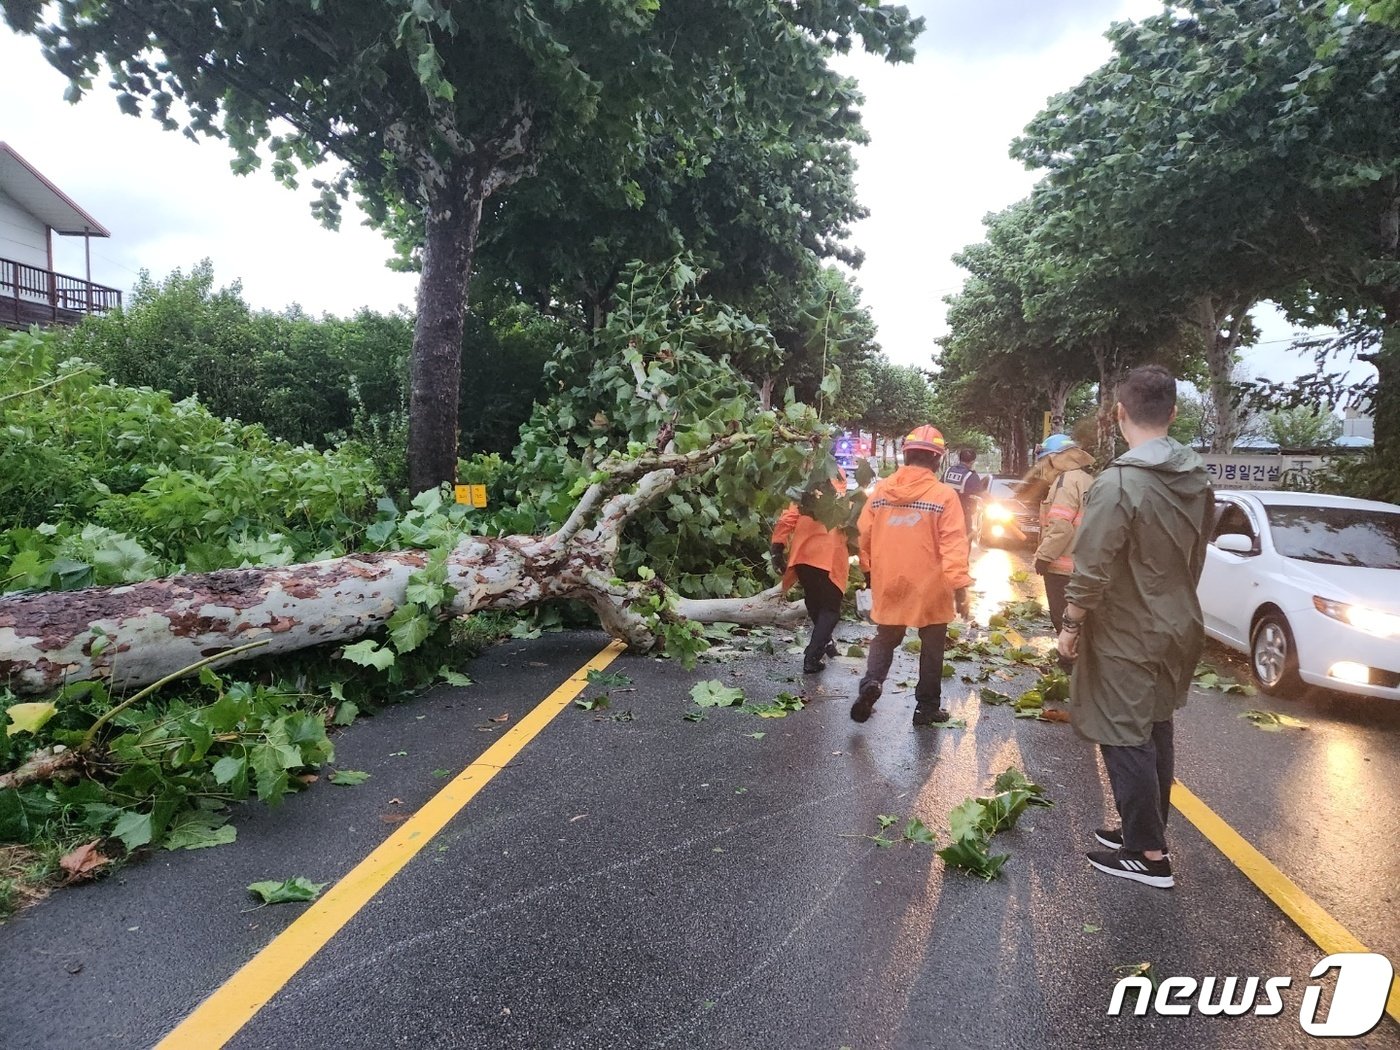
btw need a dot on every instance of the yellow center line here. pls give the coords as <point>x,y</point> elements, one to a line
<point>1326,932</point>
<point>232,1005</point>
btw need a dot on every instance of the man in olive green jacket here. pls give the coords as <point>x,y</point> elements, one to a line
<point>1132,622</point>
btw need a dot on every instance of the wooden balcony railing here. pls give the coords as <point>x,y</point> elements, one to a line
<point>32,295</point>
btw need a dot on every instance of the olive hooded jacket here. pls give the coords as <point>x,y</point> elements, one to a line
<point>1137,558</point>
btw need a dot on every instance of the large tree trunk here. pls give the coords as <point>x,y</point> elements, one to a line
<point>1221,325</point>
<point>1059,396</point>
<point>159,627</point>
<point>452,222</point>
<point>1385,403</point>
<point>1110,371</point>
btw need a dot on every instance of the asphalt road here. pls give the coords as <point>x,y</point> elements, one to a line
<point>633,879</point>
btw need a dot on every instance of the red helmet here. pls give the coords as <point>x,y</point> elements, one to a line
<point>927,438</point>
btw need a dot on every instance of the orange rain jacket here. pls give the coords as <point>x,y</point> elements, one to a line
<point>809,542</point>
<point>913,537</point>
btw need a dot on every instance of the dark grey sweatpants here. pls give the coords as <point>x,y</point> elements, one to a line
<point>933,639</point>
<point>1141,778</point>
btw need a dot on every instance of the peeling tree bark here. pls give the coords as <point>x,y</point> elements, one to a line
<point>158,627</point>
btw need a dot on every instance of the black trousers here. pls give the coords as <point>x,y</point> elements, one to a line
<point>1141,778</point>
<point>933,639</point>
<point>1055,585</point>
<point>823,599</point>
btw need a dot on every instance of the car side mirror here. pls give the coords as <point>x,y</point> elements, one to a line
<point>1235,543</point>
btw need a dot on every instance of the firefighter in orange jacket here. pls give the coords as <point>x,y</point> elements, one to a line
<point>805,551</point>
<point>913,549</point>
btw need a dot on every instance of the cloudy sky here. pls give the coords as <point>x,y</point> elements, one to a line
<point>937,163</point>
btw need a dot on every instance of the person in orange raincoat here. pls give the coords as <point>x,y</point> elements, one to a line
<point>805,551</point>
<point>913,550</point>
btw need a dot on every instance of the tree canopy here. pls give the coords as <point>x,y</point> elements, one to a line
<point>1229,152</point>
<point>429,115</point>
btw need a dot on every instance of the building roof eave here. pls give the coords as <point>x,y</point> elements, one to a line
<point>41,198</point>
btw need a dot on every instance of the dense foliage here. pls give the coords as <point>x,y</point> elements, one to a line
<point>101,483</point>
<point>316,380</point>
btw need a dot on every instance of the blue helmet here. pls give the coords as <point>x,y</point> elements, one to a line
<point>1055,443</point>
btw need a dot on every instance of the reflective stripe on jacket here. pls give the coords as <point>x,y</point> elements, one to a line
<point>1062,511</point>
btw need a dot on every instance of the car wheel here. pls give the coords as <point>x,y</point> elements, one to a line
<point>1273,657</point>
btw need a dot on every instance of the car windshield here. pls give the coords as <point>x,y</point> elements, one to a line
<point>1337,535</point>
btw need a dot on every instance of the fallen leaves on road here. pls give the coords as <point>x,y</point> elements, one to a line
<point>84,862</point>
<point>1273,722</point>
<point>298,888</point>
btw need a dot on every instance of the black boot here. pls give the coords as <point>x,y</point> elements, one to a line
<point>865,701</point>
<point>927,713</point>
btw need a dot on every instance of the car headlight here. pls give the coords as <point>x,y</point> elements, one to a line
<point>1372,621</point>
<point>998,512</point>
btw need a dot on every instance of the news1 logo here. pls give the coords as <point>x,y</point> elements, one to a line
<point>1358,1002</point>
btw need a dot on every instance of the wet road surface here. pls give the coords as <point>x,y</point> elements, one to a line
<point>633,879</point>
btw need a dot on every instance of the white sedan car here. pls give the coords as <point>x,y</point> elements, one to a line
<point>1309,587</point>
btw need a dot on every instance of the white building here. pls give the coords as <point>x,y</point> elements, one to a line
<point>32,210</point>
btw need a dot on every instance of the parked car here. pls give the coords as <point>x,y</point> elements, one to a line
<point>1002,518</point>
<point>1309,587</point>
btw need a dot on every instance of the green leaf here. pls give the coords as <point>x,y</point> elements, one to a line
<point>288,890</point>
<point>269,766</point>
<point>345,713</point>
<point>991,696</point>
<point>886,820</point>
<point>608,679</point>
<point>755,736</point>
<point>694,716</point>
<point>451,677</point>
<point>368,654</point>
<point>409,628</point>
<point>1003,809</point>
<point>29,718</point>
<point>1273,722</point>
<point>881,841</point>
<point>24,813</point>
<point>916,831</point>
<point>968,820</point>
<point>715,693</point>
<point>229,768</point>
<point>971,855</point>
<point>199,831</point>
<point>133,829</point>
<point>1014,780</point>
<point>425,592</point>
<point>855,652</point>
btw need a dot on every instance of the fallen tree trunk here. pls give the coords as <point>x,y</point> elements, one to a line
<point>136,634</point>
